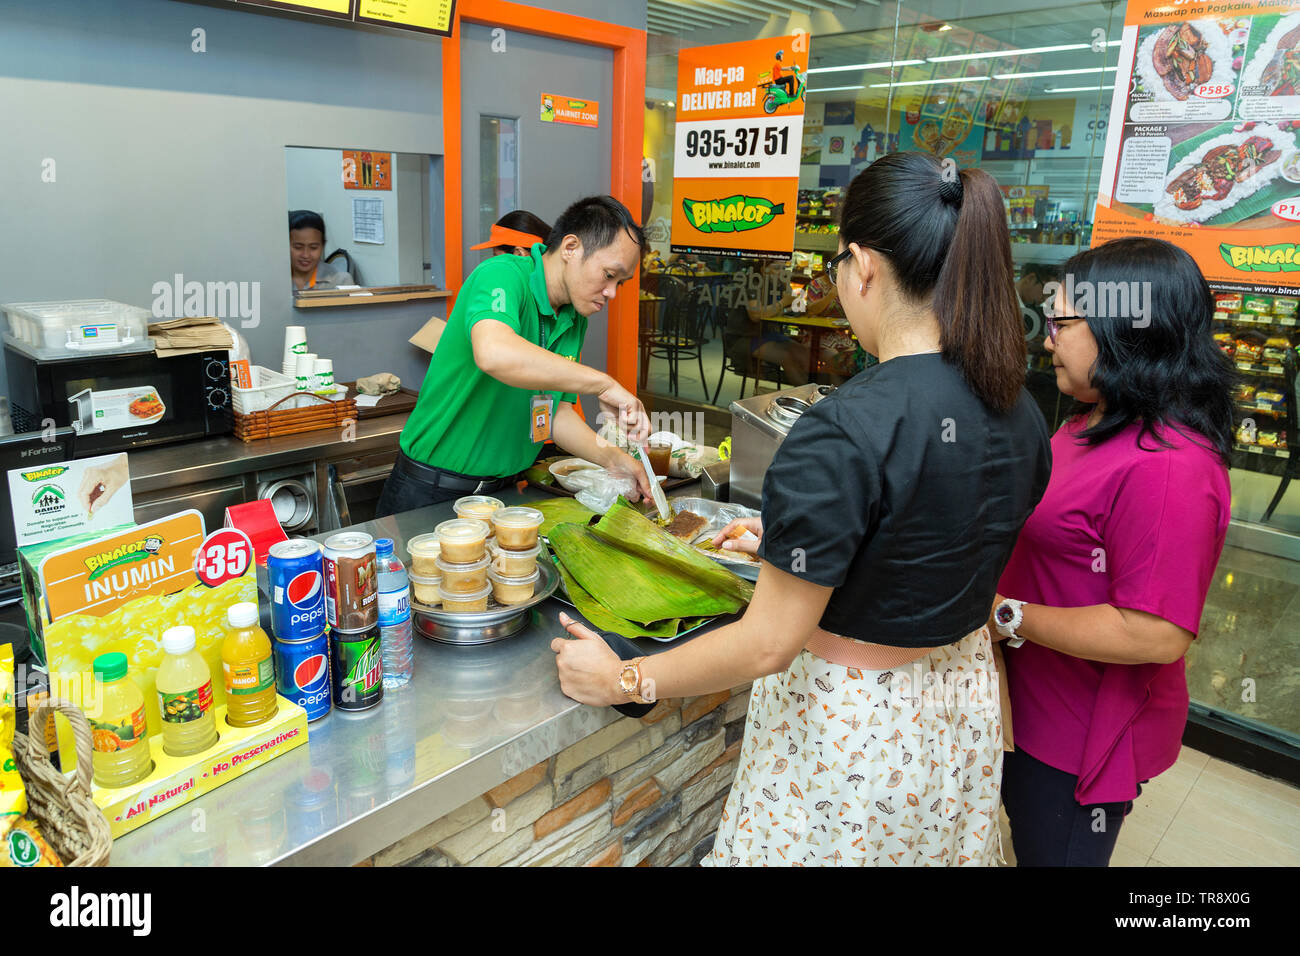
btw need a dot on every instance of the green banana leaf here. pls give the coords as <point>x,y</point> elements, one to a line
<point>557,510</point>
<point>623,523</point>
<point>641,574</point>
<point>605,620</point>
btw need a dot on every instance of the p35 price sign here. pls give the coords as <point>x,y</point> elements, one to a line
<point>740,109</point>
<point>223,556</point>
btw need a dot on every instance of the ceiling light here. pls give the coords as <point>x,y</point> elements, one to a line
<point>993,54</point>
<point>945,28</point>
<point>955,79</point>
<point>1076,89</point>
<point>885,65</point>
<point>1023,76</point>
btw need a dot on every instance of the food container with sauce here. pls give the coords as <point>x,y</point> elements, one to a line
<point>513,590</point>
<point>516,528</point>
<point>481,507</point>
<point>515,563</point>
<point>661,454</point>
<point>424,589</point>
<point>424,550</point>
<point>462,540</point>
<point>466,602</point>
<point>469,576</point>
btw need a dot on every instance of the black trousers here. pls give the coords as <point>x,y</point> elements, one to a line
<point>414,484</point>
<point>788,82</point>
<point>1048,828</point>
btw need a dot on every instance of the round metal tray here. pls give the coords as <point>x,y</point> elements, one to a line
<point>496,623</point>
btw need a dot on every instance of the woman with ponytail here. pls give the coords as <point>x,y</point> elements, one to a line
<point>874,731</point>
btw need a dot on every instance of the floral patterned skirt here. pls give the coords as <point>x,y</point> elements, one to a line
<point>850,767</point>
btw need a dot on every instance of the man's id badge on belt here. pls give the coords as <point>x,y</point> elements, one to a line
<point>541,409</point>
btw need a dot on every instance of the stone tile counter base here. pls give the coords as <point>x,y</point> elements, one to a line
<point>645,792</point>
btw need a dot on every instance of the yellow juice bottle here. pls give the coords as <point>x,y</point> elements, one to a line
<point>184,695</point>
<point>121,754</point>
<point>249,670</point>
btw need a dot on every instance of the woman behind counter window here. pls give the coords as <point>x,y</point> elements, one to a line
<point>306,246</point>
<point>888,515</point>
<point>1114,565</point>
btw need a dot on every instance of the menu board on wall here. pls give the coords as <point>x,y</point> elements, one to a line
<point>423,16</point>
<point>740,109</point>
<point>1204,139</point>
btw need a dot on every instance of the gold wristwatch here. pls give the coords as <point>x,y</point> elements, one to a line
<point>629,681</point>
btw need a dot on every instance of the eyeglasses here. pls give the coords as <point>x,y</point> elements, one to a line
<point>833,267</point>
<point>1052,328</point>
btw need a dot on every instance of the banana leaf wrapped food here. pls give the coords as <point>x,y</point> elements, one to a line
<point>627,575</point>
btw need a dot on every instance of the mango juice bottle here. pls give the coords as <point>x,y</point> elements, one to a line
<point>184,695</point>
<point>249,669</point>
<point>121,755</point>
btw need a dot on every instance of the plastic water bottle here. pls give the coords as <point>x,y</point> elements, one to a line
<point>394,615</point>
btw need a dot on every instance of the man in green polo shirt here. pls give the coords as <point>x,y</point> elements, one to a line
<point>505,374</point>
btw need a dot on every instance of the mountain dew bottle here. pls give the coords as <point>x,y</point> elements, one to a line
<point>356,668</point>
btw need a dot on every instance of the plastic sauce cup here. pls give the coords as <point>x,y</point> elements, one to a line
<point>425,589</point>
<point>462,540</point>
<point>517,527</point>
<point>424,550</point>
<point>513,590</point>
<point>460,578</point>
<point>481,507</point>
<point>467,602</point>
<point>515,563</point>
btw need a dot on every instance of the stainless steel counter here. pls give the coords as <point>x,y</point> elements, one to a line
<point>470,719</point>
<point>168,466</point>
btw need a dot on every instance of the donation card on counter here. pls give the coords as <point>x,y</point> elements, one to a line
<point>55,501</point>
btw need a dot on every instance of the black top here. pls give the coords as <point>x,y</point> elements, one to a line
<point>904,493</point>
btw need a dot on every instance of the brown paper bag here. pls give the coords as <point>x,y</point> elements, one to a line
<point>428,336</point>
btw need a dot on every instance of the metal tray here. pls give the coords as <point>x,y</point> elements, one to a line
<point>484,627</point>
<point>719,514</point>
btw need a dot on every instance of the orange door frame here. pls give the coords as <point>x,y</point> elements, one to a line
<point>627,126</point>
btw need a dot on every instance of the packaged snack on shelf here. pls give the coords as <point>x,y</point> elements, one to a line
<point>1246,433</point>
<point>1248,351</point>
<point>1228,301</point>
<point>1273,356</point>
<point>1270,398</point>
<point>1245,393</point>
<point>1283,306</point>
<point>24,846</point>
<point>1268,439</point>
<point>1258,304</point>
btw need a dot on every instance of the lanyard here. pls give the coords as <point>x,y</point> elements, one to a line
<point>541,329</point>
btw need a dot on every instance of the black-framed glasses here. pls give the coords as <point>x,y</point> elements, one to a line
<point>833,267</point>
<point>1050,326</point>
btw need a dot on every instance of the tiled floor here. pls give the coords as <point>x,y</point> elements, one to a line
<point>1205,812</point>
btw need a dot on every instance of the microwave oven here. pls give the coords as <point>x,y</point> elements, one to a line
<point>121,401</point>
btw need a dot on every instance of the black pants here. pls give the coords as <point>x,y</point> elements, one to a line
<point>413,484</point>
<point>788,83</point>
<point>1048,828</point>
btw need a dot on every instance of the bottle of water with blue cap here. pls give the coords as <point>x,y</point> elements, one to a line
<point>394,615</point>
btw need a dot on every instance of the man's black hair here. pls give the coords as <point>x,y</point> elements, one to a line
<point>596,221</point>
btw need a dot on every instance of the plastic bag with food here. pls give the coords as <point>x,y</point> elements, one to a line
<point>688,461</point>
<point>603,490</point>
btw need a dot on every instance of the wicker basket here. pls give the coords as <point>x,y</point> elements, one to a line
<point>75,828</point>
<point>319,413</point>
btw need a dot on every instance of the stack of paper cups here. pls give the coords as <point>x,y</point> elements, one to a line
<point>324,377</point>
<point>306,371</point>
<point>295,344</point>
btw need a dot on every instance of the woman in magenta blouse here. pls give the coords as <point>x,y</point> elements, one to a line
<point>1104,590</point>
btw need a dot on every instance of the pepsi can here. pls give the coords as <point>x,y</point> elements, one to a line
<point>302,673</point>
<point>297,589</point>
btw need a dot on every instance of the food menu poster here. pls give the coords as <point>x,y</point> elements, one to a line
<point>424,16</point>
<point>739,134</point>
<point>1204,139</point>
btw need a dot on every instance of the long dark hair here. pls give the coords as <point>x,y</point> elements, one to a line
<point>945,236</point>
<point>1157,362</point>
<point>521,220</point>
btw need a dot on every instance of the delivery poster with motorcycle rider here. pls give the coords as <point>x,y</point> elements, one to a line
<point>1204,139</point>
<point>740,110</point>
